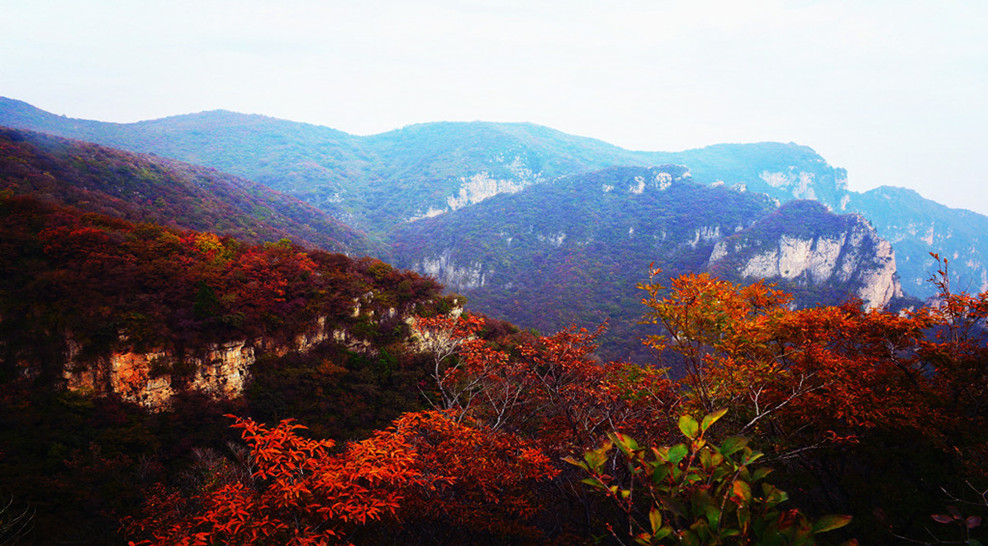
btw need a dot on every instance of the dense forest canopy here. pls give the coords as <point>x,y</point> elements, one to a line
<point>147,188</point>
<point>461,428</point>
<point>187,357</point>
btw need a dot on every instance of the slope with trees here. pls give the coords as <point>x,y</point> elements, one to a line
<point>558,254</point>
<point>146,188</point>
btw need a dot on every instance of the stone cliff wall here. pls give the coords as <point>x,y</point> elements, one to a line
<point>153,378</point>
<point>222,370</point>
<point>856,258</point>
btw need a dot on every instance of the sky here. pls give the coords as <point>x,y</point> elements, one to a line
<point>894,91</point>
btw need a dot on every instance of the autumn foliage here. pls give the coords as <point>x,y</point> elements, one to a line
<point>532,439</point>
<point>453,427</point>
<point>295,490</point>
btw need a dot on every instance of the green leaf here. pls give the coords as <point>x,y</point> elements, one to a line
<point>751,457</point>
<point>593,482</point>
<point>712,512</point>
<point>660,473</point>
<point>760,474</point>
<point>677,453</point>
<point>661,454</point>
<point>773,495</point>
<point>711,419</point>
<point>744,517</point>
<point>732,445</point>
<point>625,443</point>
<point>674,505</point>
<point>830,522</point>
<point>662,533</point>
<point>655,519</point>
<point>574,462</point>
<point>689,426</point>
<point>742,490</point>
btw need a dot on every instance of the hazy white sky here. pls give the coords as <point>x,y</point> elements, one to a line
<point>895,91</point>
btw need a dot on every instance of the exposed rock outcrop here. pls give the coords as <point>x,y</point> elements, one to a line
<point>459,277</point>
<point>842,252</point>
<point>153,378</point>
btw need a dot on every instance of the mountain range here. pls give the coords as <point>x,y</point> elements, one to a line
<point>144,188</point>
<point>533,225</point>
<point>162,277</point>
<point>379,182</point>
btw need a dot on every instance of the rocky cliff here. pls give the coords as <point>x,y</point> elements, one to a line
<point>917,226</point>
<point>804,245</point>
<point>153,378</point>
<point>100,304</point>
<point>221,370</point>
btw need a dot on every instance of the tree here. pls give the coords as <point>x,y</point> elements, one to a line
<point>797,379</point>
<point>695,492</point>
<point>424,471</point>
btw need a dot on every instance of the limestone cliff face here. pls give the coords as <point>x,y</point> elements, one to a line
<point>916,227</point>
<point>147,378</point>
<point>153,378</point>
<point>222,370</point>
<point>516,176</point>
<point>842,252</point>
<point>451,274</point>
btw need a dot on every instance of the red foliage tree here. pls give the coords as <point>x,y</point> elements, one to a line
<point>425,468</point>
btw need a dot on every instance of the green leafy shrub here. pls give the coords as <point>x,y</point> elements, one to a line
<point>696,492</point>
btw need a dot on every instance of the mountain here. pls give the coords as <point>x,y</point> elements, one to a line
<point>144,188</point>
<point>916,227</point>
<point>123,342</point>
<point>819,257</point>
<point>146,312</point>
<point>572,251</point>
<point>379,181</point>
<point>126,347</point>
<point>376,183</point>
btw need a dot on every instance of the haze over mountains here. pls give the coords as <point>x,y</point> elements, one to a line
<point>143,188</point>
<point>148,293</point>
<point>390,184</point>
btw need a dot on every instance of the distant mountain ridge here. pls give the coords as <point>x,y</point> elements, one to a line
<point>572,251</point>
<point>142,188</point>
<point>917,226</point>
<point>379,182</point>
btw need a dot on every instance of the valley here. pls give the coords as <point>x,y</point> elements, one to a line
<point>232,328</point>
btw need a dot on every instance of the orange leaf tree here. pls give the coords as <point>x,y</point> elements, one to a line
<point>425,475</point>
<point>840,394</point>
<point>552,390</point>
<point>796,378</point>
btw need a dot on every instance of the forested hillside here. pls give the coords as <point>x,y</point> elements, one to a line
<point>428,425</point>
<point>917,227</point>
<point>86,296</point>
<point>573,250</point>
<point>187,357</point>
<point>377,182</point>
<point>146,188</point>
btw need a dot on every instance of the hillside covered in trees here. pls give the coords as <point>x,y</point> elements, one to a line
<point>429,425</point>
<point>377,182</point>
<point>147,188</point>
<point>188,357</point>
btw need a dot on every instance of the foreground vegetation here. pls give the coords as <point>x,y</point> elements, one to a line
<point>463,429</point>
